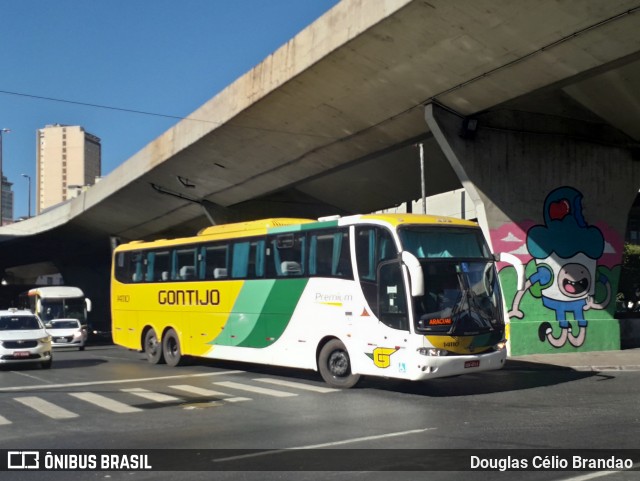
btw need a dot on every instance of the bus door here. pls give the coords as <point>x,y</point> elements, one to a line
<point>381,275</point>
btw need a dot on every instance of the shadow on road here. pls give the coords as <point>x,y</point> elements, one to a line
<point>518,375</point>
<point>483,383</point>
<point>57,364</point>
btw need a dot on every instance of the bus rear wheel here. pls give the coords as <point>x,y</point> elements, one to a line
<point>153,347</point>
<point>335,366</point>
<point>171,348</point>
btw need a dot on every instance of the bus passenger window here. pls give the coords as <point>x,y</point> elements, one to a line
<point>214,261</point>
<point>287,256</point>
<point>248,260</point>
<point>157,264</point>
<point>185,264</point>
<point>329,254</point>
<point>128,267</point>
<point>373,245</point>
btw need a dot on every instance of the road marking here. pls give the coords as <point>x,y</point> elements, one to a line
<point>152,396</point>
<point>105,402</point>
<point>113,381</point>
<point>600,474</point>
<point>4,420</point>
<point>297,385</point>
<point>326,445</point>
<point>256,389</point>
<point>209,393</point>
<point>37,378</point>
<point>46,408</point>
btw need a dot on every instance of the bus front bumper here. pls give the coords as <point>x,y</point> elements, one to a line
<point>431,367</point>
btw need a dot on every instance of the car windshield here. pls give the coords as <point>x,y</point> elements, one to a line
<point>19,323</point>
<point>66,324</point>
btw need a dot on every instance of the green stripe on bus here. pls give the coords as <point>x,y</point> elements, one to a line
<point>261,312</point>
<point>276,313</point>
<point>245,313</point>
<point>302,227</point>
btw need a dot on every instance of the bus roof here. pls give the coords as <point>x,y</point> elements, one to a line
<point>57,292</point>
<point>398,219</point>
<point>284,224</point>
<point>253,227</point>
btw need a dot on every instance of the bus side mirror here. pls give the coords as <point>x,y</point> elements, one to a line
<point>88,303</point>
<point>515,262</point>
<point>416,276</point>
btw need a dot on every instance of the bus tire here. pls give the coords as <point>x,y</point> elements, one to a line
<point>171,348</point>
<point>334,365</point>
<point>153,347</point>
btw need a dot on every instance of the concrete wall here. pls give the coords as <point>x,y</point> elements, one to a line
<point>556,193</point>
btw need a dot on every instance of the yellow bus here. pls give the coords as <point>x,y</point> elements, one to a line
<point>395,295</point>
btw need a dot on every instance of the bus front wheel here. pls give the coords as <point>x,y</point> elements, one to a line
<point>171,348</point>
<point>153,347</point>
<point>335,366</point>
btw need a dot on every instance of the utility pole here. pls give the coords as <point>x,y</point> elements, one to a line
<point>28,177</point>
<point>422,180</point>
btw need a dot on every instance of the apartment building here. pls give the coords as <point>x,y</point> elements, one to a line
<point>7,201</point>
<point>68,159</point>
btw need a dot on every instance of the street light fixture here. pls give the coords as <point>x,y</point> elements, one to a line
<point>28,177</point>
<point>2,131</point>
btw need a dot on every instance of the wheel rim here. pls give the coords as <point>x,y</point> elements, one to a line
<point>338,363</point>
<point>172,346</point>
<point>152,345</point>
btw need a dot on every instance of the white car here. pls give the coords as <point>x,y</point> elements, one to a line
<point>23,339</point>
<point>67,333</point>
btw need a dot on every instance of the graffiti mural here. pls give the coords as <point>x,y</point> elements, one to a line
<point>571,270</point>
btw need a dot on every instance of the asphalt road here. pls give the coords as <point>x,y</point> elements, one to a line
<point>109,398</point>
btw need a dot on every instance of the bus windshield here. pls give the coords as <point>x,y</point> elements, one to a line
<point>73,308</point>
<point>427,242</point>
<point>461,295</point>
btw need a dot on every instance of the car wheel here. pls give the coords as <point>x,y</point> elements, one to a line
<point>153,347</point>
<point>335,366</point>
<point>46,364</point>
<point>171,348</point>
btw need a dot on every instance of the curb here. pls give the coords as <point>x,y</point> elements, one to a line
<point>538,366</point>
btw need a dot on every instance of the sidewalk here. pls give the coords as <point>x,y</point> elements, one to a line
<point>623,360</point>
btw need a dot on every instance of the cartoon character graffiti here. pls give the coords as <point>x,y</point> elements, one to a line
<point>565,250</point>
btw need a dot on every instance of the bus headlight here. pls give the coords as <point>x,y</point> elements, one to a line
<point>501,345</point>
<point>432,351</point>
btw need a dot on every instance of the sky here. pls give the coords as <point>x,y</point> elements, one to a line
<point>155,56</point>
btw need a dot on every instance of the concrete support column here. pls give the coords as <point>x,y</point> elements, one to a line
<point>556,193</point>
<point>89,269</point>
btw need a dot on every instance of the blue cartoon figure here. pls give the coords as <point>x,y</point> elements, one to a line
<point>566,251</point>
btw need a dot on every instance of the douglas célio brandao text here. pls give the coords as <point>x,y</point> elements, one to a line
<point>549,462</point>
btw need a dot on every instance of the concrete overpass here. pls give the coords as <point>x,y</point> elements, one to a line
<point>329,122</point>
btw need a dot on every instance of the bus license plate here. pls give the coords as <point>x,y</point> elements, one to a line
<point>471,364</point>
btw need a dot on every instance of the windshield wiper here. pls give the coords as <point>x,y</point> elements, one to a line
<point>468,308</point>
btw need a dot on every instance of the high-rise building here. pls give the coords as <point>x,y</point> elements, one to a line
<point>7,201</point>
<point>68,159</point>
